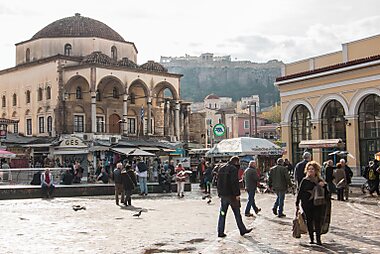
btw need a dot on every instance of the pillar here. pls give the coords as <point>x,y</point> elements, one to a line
<point>125,114</point>
<point>93,112</point>
<point>176,120</point>
<point>166,118</point>
<point>287,138</point>
<point>316,132</point>
<point>352,134</point>
<point>149,126</point>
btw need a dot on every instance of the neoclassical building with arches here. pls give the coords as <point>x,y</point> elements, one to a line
<point>334,96</point>
<point>77,75</point>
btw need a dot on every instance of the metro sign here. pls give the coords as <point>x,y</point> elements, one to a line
<point>219,130</point>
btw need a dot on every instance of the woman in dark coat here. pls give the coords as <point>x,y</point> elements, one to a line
<point>314,213</point>
<point>128,178</point>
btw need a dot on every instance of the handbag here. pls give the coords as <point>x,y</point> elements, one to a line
<point>319,195</point>
<point>296,228</point>
<point>302,223</point>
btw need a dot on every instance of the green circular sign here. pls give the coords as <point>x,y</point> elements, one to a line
<point>219,130</point>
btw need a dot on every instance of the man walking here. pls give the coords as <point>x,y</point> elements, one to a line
<point>349,175</point>
<point>279,181</point>
<point>229,193</point>
<point>299,171</point>
<point>251,178</point>
<point>118,183</point>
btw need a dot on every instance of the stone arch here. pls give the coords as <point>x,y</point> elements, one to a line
<point>359,97</point>
<point>100,111</point>
<point>292,106</point>
<point>323,101</point>
<point>106,85</point>
<point>76,82</point>
<point>40,110</point>
<point>159,92</point>
<point>14,114</point>
<point>78,109</point>
<point>139,90</point>
<point>27,112</point>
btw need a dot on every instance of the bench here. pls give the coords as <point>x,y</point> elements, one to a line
<point>34,191</point>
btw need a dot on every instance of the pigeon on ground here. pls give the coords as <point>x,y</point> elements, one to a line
<point>209,201</point>
<point>78,207</point>
<point>138,214</point>
<point>207,196</point>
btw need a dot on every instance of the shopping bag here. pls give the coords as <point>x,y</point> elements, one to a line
<point>296,228</point>
<point>302,223</point>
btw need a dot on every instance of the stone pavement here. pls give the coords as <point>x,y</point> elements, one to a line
<point>172,225</point>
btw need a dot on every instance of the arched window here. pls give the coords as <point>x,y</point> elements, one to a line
<point>67,50</point>
<point>369,128</point>
<point>333,125</point>
<point>98,97</point>
<point>28,96</point>
<point>27,55</point>
<point>78,93</point>
<point>48,93</point>
<point>114,52</point>
<point>115,93</point>
<point>40,94</point>
<point>14,100</point>
<point>49,125</point>
<point>301,130</point>
<point>133,98</point>
<point>3,101</point>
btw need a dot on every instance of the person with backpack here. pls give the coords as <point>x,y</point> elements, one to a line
<point>229,193</point>
<point>372,175</point>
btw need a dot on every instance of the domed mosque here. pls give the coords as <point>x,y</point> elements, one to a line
<point>79,76</point>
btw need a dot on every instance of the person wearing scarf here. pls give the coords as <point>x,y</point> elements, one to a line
<point>306,196</point>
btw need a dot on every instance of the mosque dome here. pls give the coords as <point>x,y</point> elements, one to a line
<point>78,26</point>
<point>153,66</point>
<point>98,57</point>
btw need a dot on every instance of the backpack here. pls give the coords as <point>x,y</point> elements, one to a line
<point>224,179</point>
<point>142,166</point>
<point>36,179</point>
<point>371,174</point>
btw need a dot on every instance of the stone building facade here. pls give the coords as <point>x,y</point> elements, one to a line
<point>334,96</point>
<point>77,75</point>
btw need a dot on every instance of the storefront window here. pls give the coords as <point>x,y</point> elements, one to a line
<point>369,128</point>
<point>333,125</point>
<point>301,130</point>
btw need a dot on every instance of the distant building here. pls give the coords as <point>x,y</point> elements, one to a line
<point>213,101</point>
<point>242,106</point>
<point>205,57</point>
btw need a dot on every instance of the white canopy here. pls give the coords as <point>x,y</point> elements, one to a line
<point>132,151</point>
<point>244,146</point>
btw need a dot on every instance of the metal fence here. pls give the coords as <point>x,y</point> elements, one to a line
<point>25,175</point>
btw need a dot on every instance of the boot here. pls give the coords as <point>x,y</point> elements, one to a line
<point>311,235</point>
<point>319,239</point>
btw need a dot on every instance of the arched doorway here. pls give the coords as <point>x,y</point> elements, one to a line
<point>114,124</point>
<point>369,128</point>
<point>333,125</point>
<point>300,130</point>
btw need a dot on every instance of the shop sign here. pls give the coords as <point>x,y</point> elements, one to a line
<point>72,142</point>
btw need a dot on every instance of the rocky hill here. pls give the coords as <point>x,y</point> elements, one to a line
<point>234,79</point>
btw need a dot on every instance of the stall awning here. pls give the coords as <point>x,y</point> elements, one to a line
<point>68,152</point>
<point>321,143</point>
<point>132,152</point>
<point>148,148</point>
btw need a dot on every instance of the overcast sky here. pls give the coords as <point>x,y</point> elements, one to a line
<point>256,30</point>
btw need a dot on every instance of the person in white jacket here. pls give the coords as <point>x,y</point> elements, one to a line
<point>47,183</point>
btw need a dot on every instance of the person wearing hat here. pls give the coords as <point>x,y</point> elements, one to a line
<point>229,193</point>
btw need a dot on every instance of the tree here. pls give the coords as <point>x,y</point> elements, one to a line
<point>273,115</point>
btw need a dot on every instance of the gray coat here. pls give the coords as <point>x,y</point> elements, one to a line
<point>251,178</point>
<point>279,178</point>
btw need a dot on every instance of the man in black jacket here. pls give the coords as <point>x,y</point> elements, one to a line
<point>229,193</point>
<point>299,171</point>
<point>349,174</point>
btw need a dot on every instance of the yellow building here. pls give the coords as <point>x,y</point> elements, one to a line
<point>77,75</point>
<point>334,96</point>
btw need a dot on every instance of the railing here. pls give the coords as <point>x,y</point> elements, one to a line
<point>25,175</point>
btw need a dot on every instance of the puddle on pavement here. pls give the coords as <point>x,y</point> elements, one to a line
<point>155,250</point>
<point>196,240</point>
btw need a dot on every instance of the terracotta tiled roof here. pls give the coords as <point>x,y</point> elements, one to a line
<point>78,26</point>
<point>127,63</point>
<point>329,68</point>
<point>153,66</point>
<point>98,57</point>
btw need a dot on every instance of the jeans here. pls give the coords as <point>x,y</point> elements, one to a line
<point>224,203</point>
<point>47,190</point>
<point>279,202</point>
<point>143,185</point>
<point>180,188</point>
<point>119,189</point>
<point>251,202</point>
